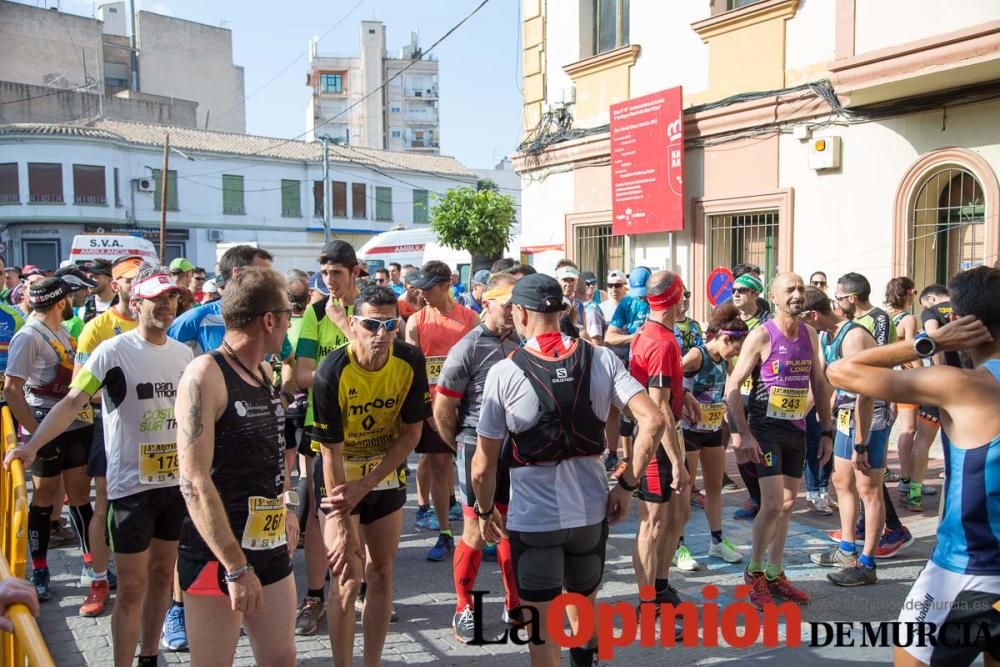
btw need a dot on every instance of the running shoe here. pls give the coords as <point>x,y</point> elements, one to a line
<point>668,595</point>
<point>859,533</point>
<point>455,511</point>
<point>834,558</point>
<point>62,535</point>
<point>904,489</point>
<point>892,542</point>
<point>175,636</point>
<point>464,625</point>
<point>859,575</point>
<point>512,616</point>
<point>697,499</point>
<point>914,503</point>
<point>783,588</point>
<point>96,599</point>
<point>760,592</point>
<point>831,500</point>
<point>728,484</point>
<point>889,476</point>
<point>819,505</point>
<point>684,561</point>
<point>308,616</point>
<point>490,552</point>
<point>87,577</point>
<point>442,550</point>
<point>427,520</point>
<point>40,580</point>
<point>725,550</point>
<point>748,511</point>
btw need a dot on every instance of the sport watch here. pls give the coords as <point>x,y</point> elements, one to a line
<point>479,512</point>
<point>924,345</point>
<point>861,449</point>
<point>290,498</point>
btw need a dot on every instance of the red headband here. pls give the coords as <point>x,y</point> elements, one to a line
<point>668,299</point>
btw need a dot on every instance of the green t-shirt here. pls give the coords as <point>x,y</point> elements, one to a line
<point>317,337</point>
<point>879,325</point>
<point>74,326</point>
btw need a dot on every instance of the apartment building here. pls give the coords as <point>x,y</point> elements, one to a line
<point>834,135</point>
<point>373,100</point>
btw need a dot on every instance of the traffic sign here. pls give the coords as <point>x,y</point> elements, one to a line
<point>719,285</point>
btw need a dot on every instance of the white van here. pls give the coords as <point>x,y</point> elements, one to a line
<point>88,247</point>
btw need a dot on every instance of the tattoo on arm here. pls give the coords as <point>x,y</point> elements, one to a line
<point>193,426</point>
<point>187,488</point>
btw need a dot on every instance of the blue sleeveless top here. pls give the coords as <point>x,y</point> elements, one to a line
<point>969,534</point>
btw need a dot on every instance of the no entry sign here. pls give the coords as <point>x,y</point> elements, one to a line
<point>719,285</point>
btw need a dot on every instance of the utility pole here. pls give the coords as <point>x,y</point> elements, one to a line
<point>324,140</point>
<point>133,52</point>
<point>164,184</point>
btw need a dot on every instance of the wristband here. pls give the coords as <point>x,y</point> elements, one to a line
<point>479,513</point>
<point>861,449</point>
<point>622,483</point>
<point>238,572</point>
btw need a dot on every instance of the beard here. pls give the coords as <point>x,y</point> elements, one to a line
<point>67,313</point>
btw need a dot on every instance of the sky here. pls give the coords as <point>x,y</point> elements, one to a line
<point>479,77</point>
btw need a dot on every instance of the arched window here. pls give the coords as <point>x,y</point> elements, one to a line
<point>947,227</point>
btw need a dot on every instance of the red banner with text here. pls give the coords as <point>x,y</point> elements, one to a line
<point>647,164</point>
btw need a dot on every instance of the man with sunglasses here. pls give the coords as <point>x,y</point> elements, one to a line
<point>589,295</point>
<point>374,403</point>
<point>617,285</point>
<point>818,280</point>
<point>381,277</point>
<point>456,411</point>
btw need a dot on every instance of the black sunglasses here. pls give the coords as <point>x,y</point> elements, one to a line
<point>741,290</point>
<point>590,283</point>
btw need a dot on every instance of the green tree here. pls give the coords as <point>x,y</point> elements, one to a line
<point>479,222</point>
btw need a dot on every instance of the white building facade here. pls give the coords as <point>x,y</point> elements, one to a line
<point>350,105</point>
<point>903,93</point>
<point>57,181</point>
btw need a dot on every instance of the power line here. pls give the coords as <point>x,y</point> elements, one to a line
<point>54,92</point>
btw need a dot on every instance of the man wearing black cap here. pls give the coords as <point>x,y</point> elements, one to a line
<point>39,372</point>
<point>323,329</point>
<point>552,398</point>
<point>80,286</point>
<point>102,294</point>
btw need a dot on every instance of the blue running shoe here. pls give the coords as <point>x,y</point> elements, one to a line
<point>748,511</point>
<point>427,520</point>
<point>175,636</point>
<point>455,511</point>
<point>442,550</point>
<point>40,580</point>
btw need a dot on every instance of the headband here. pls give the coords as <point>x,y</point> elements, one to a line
<point>736,334</point>
<point>501,294</point>
<point>747,280</point>
<point>668,299</point>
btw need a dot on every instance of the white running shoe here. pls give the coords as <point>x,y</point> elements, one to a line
<point>684,561</point>
<point>726,551</point>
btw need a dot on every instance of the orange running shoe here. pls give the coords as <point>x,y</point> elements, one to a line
<point>98,596</point>
<point>760,594</point>
<point>783,588</point>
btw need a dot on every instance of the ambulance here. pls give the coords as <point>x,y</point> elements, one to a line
<point>88,247</point>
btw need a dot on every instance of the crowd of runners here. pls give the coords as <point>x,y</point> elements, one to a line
<point>217,435</point>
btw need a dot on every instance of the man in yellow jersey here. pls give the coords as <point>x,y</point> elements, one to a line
<point>372,401</point>
<point>115,320</point>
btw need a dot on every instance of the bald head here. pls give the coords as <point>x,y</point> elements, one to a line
<point>788,293</point>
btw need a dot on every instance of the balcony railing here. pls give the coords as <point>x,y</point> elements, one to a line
<point>46,198</point>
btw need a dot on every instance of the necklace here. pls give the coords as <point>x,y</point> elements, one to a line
<point>263,376</point>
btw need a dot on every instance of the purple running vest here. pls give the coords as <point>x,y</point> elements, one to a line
<point>781,382</point>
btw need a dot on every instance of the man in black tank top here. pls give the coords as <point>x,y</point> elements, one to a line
<point>242,526</point>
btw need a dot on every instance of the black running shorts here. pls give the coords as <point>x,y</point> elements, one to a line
<point>546,563</point>
<point>133,521</point>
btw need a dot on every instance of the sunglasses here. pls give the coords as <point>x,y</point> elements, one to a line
<point>590,283</point>
<point>616,286</point>
<point>818,283</point>
<point>841,297</point>
<point>372,324</point>
<point>379,281</point>
<point>741,290</point>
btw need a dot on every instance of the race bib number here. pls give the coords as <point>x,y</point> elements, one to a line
<point>434,366</point>
<point>746,387</point>
<point>844,421</point>
<point>784,403</point>
<point>265,528</point>
<point>158,463</point>
<point>86,414</point>
<point>711,417</point>
<point>355,469</point>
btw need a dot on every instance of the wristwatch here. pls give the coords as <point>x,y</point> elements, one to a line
<point>924,345</point>
<point>291,499</point>
<point>861,449</point>
<point>478,511</point>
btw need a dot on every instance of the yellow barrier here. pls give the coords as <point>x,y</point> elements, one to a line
<point>26,641</point>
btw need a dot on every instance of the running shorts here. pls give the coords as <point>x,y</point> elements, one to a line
<point>467,496</point>
<point>695,440</point>
<point>295,429</point>
<point>431,442</point>
<point>374,506</point>
<point>654,485</point>
<point>133,521</point>
<point>207,577</point>
<point>784,447</point>
<point>68,450</point>
<point>957,605</point>
<point>97,462</point>
<point>545,563</point>
<point>878,446</point>
<point>626,426</point>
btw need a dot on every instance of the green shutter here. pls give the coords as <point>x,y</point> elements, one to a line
<point>171,189</point>
<point>232,194</point>
<point>420,206</point>
<point>291,206</point>
<point>383,204</point>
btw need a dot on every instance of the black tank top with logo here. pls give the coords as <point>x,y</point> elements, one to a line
<point>248,457</point>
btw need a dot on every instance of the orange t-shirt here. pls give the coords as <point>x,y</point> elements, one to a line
<point>438,334</point>
<point>405,309</point>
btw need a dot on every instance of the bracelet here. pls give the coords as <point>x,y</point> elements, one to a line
<point>481,514</point>
<point>622,483</point>
<point>238,572</point>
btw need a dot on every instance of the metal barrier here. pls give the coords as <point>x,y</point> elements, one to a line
<point>25,645</point>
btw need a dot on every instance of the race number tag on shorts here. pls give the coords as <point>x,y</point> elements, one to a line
<point>711,417</point>
<point>784,403</point>
<point>86,414</point>
<point>355,469</point>
<point>746,387</point>
<point>844,421</point>
<point>265,528</point>
<point>158,463</point>
<point>434,366</point>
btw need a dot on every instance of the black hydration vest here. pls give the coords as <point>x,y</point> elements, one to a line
<point>567,426</point>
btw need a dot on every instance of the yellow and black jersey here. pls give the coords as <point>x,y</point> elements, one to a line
<point>364,409</point>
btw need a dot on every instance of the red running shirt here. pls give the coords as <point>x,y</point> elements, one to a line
<point>655,361</point>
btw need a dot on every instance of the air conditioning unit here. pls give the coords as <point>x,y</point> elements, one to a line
<point>146,185</point>
<point>215,235</point>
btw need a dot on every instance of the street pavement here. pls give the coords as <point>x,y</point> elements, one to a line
<point>424,597</point>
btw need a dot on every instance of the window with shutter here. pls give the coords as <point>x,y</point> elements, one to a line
<point>45,184</point>
<point>338,199</point>
<point>232,194</point>
<point>291,206</point>
<point>88,185</point>
<point>383,204</point>
<point>359,201</point>
<point>9,184</point>
<point>171,189</point>
<point>420,206</point>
